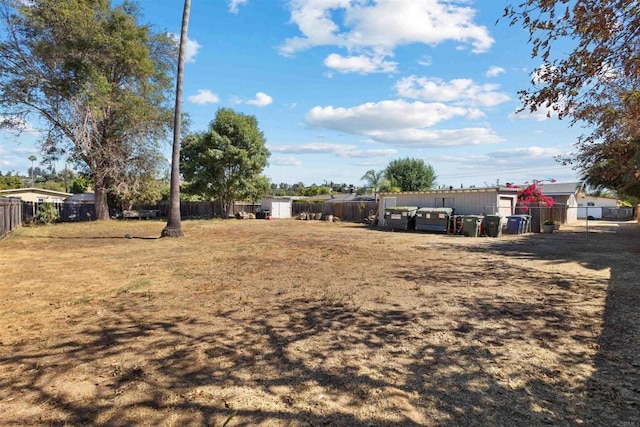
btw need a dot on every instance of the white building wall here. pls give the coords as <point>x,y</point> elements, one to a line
<point>464,201</point>
<point>279,207</point>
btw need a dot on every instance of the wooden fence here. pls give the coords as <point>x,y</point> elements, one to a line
<point>541,213</point>
<point>347,211</point>
<point>203,210</point>
<point>10,215</point>
<point>67,212</point>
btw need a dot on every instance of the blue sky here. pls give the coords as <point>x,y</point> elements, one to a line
<point>343,86</point>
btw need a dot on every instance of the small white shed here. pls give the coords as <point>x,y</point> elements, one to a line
<point>279,207</point>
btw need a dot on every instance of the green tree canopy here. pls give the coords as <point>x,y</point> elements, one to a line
<point>99,80</point>
<point>9,182</point>
<point>590,73</point>
<point>79,185</point>
<point>226,162</point>
<point>410,174</point>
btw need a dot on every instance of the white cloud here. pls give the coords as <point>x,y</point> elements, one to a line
<point>439,137</point>
<point>312,148</point>
<point>425,61</point>
<point>369,117</point>
<point>527,153</point>
<point>383,25</point>
<point>401,123</point>
<point>261,100</point>
<point>523,157</point>
<point>367,154</point>
<point>359,64</point>
<point>338,150</point>
<point>475,114</point>
<point>192,49</point>
<point>495,71</point>
<point>463,91</point>
<point>285,161</point>
<point>204,96</point>
<point>541,114</point>
<point>233,5</point>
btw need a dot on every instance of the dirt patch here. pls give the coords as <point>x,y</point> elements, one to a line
<point>315,323</point>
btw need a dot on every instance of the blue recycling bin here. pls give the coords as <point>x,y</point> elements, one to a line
<point>515,224</point>
<point>519,224</point>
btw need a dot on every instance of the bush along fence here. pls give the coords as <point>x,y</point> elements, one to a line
<point>10,215</point>
<point>67,212</point>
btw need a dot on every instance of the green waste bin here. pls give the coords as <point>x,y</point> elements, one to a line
<point>471,225</point>
<point>493,225</point>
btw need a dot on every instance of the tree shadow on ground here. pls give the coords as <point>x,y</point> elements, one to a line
<point>454,358</point>
<point>611,395</point>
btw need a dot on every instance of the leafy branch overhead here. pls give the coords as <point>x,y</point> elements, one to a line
<point>597,83</point>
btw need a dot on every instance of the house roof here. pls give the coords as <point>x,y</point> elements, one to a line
<point>349,197</point>
<point>277,198</point>
<point>460,190</point>
<point>319,197</point>
<point>561,189</point>
<point>82,198</point>
<point>16,191</point>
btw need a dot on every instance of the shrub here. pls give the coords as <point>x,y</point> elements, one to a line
<point>47,213</point>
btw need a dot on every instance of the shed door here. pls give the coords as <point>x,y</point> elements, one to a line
<point>275,209</point>
<point>280,209</point>
<point>506,206</point>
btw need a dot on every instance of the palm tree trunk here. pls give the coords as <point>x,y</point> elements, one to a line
<point>174,225</point>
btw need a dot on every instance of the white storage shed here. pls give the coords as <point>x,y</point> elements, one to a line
<point>279,207</point>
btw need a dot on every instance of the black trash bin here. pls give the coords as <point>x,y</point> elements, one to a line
<point>493,225</point>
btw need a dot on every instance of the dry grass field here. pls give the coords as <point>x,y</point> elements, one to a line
<point>310,323</point>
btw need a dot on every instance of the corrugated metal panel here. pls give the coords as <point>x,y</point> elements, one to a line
<point>465,202</point>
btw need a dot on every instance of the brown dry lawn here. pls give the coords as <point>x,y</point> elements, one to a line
<point>310,323</point>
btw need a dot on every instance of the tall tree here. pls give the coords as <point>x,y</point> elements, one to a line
<point>226,162</point>
<point>596,82</point>
<point>374,180</point>
<point>32,159</point>
<point>174,222</point>
<point>410,174</point>
<point>97,78</point>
